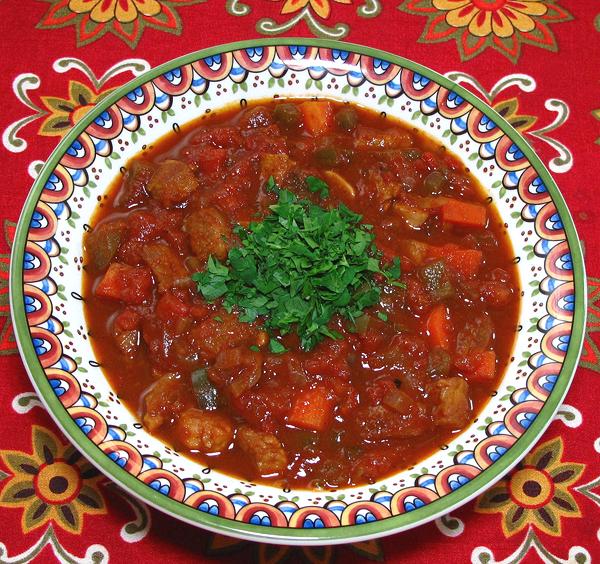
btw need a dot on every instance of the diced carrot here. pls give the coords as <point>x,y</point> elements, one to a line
<point>130,284</point>
<point>464,214</point>
<point>171,307</point>
<point>479,367</point>
<point>466,262</point>
<point>312,409</point>
<point>317,116</point>
<point>439,326</point>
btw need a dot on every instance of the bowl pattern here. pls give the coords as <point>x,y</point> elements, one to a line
<point>52,227</point>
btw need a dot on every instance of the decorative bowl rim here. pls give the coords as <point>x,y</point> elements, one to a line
<point>341,534</point>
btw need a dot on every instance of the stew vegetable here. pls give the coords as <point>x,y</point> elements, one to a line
<point>300,292</point>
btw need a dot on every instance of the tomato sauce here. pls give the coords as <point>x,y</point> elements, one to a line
<point>403,379</point>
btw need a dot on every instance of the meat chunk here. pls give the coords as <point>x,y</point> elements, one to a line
<point>453,409</point>
<point>220,332</point>
<point>166,399</point>
<point>102,243</point>
<point>204,431</point>
<point>208,233</point>
<point>172,183</point>
<point>264,449</point>
<point>376,423</point>
<point>130,284</point>
<point>275,165</point>
<point>167,266</point>
<point>137,177</point>
<point>237,370</point>
<point>376,139</point>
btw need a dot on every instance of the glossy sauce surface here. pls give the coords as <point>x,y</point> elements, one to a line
<point>412,372</point>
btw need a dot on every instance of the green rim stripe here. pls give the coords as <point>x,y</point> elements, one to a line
<point>246,531</point>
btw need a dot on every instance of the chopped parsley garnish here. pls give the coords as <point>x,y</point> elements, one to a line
<point>298,267</point>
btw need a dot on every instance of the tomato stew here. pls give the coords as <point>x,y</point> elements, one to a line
<point>395,383</point>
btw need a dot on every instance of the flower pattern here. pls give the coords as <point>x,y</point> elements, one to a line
<point>321,7</point>
<point>53,483</point>
<point>62,114</point>
<point>536,492</point>
<point>503,25</point>
<point>127,19</point>
<point>590,355</point>
<point>7,337</point>
<point>316,14</point>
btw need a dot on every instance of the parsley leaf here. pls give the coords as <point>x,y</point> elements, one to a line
<point>298,268</point>
<point>315,184</point>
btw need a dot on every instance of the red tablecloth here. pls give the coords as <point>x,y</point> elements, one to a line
<point>536,61</point>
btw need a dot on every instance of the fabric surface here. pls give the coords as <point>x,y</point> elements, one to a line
<point>536,61</point>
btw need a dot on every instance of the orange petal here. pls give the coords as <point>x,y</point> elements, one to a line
<point>450,4</point>
<point>293,6</point>
<point>461,17</point>
<point>148,7</point>
<point>481,24</point>
<point>532,8</point>
<point>321,7</point>
<point>501,25</point>
<point>82,6</point>
<point>125,11</point>
<point>104,11</point>
<point>519,20</point>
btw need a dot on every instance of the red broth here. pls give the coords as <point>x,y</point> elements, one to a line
<point>411,372</point>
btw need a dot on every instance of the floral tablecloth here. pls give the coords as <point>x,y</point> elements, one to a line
<point>537,62</point>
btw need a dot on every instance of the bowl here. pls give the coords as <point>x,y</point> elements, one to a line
<point>46,289</point>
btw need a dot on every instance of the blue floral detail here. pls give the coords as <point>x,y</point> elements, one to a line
<point>160,487</point>
<point>30,304</point>
<point>527,420</point>
<point>496,453</point>
<point>57,386</point>
<point>160,98</point>
<point>563,343</point>
<point>265,521</point>
<point>549,382</point>
<point>75,148</point>
<point>298,50</point>
<point>116,457</point>
<point>412,505</point>
<point>82,423</point>
<point>208,508</point>
<point>36,220</point>
<point>458,482</point>
<point>316,523</point>
<point>566,262</point>
<point>368,517</point>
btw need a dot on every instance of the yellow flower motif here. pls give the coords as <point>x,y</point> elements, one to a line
<point>53,483</point>
<point>124,11</point>
<point>492,17</point>
<point>321,7</point>
<point>536,493</point>
<point>63,113</point>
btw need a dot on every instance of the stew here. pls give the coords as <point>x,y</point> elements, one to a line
<point>300,292</point>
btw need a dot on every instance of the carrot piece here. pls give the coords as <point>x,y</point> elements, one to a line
<point>439,326</point>
<point>317,116</point>
<point>466,262</point>
<point>464,214</point>
<point>312,409</point>
<point>480,367</point>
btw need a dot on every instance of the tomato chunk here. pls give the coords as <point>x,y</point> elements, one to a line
<point>312,409</point>
<point>130,284</point>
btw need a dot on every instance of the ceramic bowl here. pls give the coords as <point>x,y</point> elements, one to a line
<point>46,289</point>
